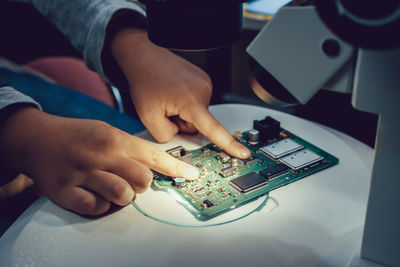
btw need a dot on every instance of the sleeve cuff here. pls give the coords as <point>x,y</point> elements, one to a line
<point>9,96</point>
<point>97,52</point>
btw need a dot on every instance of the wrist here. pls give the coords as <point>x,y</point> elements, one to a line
<point>122,19</point>
<point>20,129</point>
<point>130,48</point>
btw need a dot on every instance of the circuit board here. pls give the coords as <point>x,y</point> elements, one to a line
<point>278,158</point>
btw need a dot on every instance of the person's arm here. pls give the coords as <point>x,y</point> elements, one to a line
<point>169,93</point>
<point>82,165</point>
<point>10,100</point>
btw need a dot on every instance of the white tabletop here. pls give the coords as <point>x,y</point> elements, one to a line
<point>318,222</point>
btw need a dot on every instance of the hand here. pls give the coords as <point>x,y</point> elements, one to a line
<point>82,165</point>
<point>169,93</point>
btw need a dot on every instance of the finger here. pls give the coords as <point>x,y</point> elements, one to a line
<point>82,201</point>
<point>159,160</point>
<point>110,186</point>
<point>135,173</point>
<point>160,127</point>
<point>210,127</point>
<point>184,126</point>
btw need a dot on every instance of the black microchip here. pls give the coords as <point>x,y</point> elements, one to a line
<point>274,171</point>
<point>249,159</point>
<point>209,203</point>
<point>248,182</point>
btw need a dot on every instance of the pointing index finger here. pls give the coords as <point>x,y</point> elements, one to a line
<point>210,127</point>
<point>160,161</point>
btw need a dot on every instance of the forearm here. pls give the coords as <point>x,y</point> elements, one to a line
<point>11,100</point>
<point>133,51</point>
<point>19,132</point>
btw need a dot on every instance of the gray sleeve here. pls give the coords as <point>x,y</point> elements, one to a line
<point>9,96</point>
<point>85,22</point>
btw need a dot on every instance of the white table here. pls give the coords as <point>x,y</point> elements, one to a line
<point>319,220</point>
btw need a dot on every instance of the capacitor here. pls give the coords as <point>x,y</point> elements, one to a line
<point>179,182</point>
<point>253,135</point>
<point>234,162</point>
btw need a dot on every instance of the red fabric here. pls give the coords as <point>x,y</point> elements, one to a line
<point>72,73</point>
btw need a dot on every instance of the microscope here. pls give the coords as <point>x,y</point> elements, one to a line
<point>348,46</point>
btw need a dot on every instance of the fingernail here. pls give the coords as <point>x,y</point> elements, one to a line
<point>191,173</point>
<point>244,152</point>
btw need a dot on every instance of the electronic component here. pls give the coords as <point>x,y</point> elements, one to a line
<point>253,136</point>
<point>208,203</point>
<point>237,135</point>
<point>252,161</point>
<point>228,171</point>
<point>274,171</point>
<point>227,182</point>
<point>216,149</point>
<point>249,159</point>
<point>206,150</point>
<point>281,148</point>
<point>248,182</point>
<point>268,128</point>
<point>283,135</point>
<point>181,153</point>
<point>179,181</point>
<point>235,162</point>
<point>223,157</point>
<point>301,159</point>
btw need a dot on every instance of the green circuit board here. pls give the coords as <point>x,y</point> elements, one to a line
<point>226,183</point>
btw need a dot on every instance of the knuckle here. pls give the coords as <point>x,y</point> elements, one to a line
<point>156,156</point>
<point>143,182</point>
<point>146,117</point>
<point>207,85</point>
<point>106,136</point>
<point>165,137</point>
<point>63,180</point>
<point>88,205</point>
<point>118,191</point>
<point>66,178</point>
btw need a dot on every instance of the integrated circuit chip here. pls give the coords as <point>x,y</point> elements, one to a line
<point>223,157</point>
<point>274,171</point>
<point>228,171</point>
<point>248,182</point>
<point>208,203</point>
<point>301,159</point>
<point>281,148</point>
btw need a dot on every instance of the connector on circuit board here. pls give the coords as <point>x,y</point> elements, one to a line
<point>181,153</point>
<point>268,129</point>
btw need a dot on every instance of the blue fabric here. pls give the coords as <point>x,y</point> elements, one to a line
<point>61,101</point>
